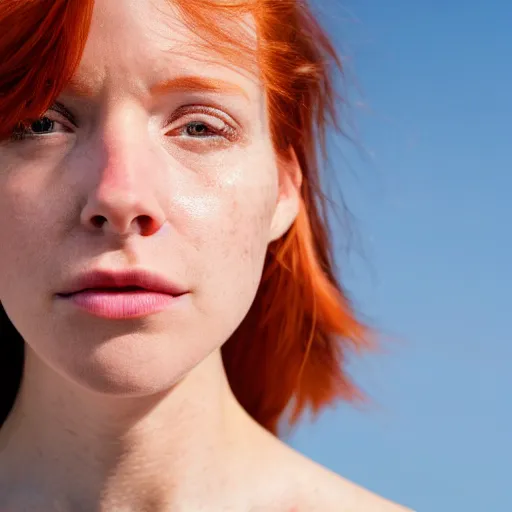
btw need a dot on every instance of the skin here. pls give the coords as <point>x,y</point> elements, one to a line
<point>134,415</point>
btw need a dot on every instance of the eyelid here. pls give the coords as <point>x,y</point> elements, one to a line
<point>200,109</point>
<point>230,129</point>
<point>59,108</point>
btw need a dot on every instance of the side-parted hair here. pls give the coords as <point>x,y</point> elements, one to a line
<point>291,347</point>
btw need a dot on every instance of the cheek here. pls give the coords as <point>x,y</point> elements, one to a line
<point>243,239</point>
<point>240,225</point>
<point>22,255</point>
<point>28,222</point>
<point>230,228</point>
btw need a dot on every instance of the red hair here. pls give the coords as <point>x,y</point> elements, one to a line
<point>291,347</point>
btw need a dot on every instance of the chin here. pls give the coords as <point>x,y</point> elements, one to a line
<point>131,365</point>
<point>122,380</point>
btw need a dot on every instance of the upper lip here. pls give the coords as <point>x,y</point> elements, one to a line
<point>98,279</point>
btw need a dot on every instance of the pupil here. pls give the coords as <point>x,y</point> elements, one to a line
<point>197,128</point>
<point>42,125</point>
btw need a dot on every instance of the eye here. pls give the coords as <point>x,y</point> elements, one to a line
<point>55,120</point>
<point>201,123</point>
<point>198,129</point>
<point>202,130</point>
<point>42,126</point>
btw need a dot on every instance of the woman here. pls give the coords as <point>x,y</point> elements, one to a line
<point>166,281</point>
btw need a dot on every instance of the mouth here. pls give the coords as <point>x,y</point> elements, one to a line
<point>119,281</point>
<point>111,289</point>
<point>132,294</point>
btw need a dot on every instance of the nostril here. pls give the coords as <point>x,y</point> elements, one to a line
<point>98,221</point>
<point>145,223</point>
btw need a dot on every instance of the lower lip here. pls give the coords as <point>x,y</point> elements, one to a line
<point>121,305</point>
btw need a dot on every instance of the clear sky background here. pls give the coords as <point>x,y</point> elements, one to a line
<point>430,192</point>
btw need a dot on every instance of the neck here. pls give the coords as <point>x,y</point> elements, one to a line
<point>123,453</point>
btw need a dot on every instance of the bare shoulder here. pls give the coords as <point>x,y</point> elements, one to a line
<point>319,489</point>
<point>328,491</point>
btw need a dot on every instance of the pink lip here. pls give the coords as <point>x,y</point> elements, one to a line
<point>122,295</point>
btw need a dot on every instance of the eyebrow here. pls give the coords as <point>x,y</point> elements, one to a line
<point>197,83</point>
<point>79,88</point>
<point>181,83</point>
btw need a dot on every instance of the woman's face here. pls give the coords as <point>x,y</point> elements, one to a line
<point>140,166</point>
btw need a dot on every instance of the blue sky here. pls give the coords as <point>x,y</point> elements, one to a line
<point>431,266</point>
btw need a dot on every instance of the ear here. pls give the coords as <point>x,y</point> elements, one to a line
<point>288,200</point>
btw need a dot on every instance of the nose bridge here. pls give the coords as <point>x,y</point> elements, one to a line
<point>122,139</point>
<point>119,169</point>
<point>124,196</point>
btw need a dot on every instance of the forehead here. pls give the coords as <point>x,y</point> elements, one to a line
<point>146,43</point>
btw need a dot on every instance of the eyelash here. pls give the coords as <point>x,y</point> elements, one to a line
<point>226,131</point>
<point>21,132</point>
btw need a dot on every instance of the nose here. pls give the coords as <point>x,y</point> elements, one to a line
<point>124,198</point>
